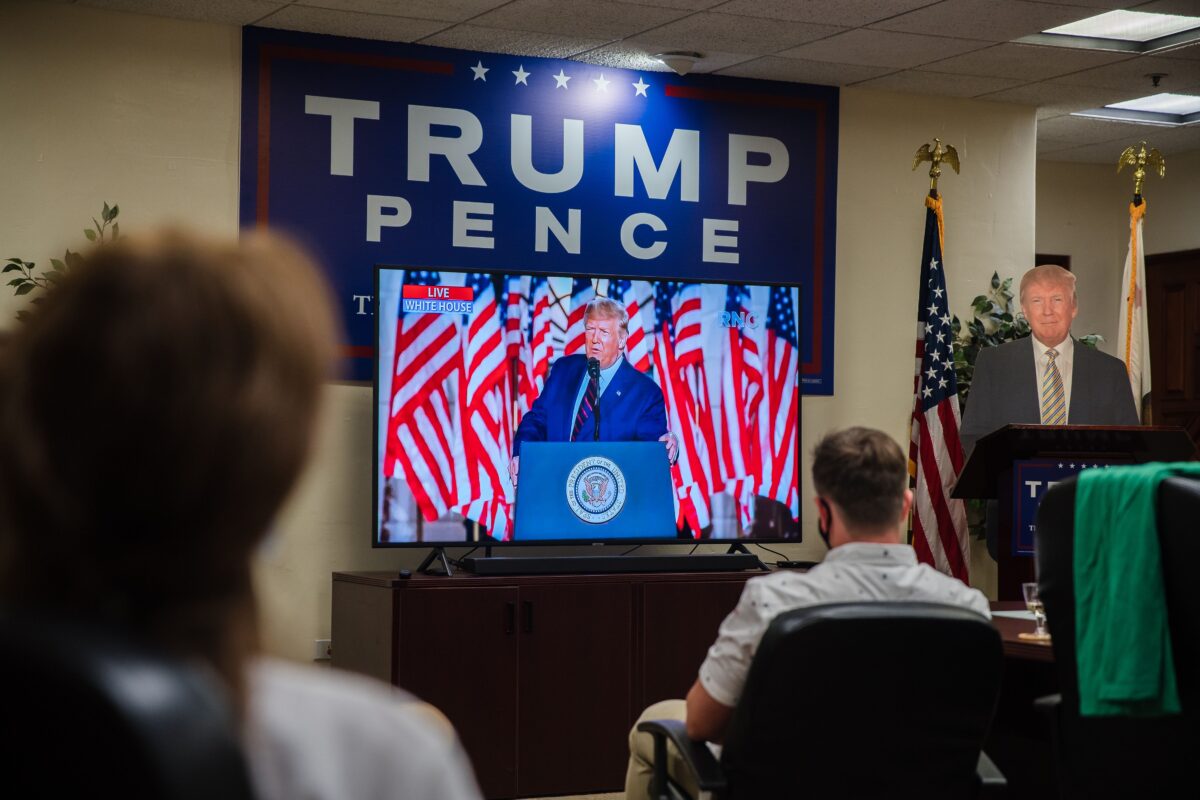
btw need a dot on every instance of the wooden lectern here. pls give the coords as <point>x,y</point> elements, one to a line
<point>1014,464</point>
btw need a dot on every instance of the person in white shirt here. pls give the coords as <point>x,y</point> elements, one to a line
<point>862,502</point>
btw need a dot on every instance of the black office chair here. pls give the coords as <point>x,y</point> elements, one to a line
<point>87,711</point>
<point>856,700</point>
<point>1123,756</point>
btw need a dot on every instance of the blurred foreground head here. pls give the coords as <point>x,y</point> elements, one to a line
<point>155,411</point>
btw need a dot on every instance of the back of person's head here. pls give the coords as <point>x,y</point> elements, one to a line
<point>156,409</point>
<point>865,473</point>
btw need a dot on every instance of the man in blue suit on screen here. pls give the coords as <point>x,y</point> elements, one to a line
<point>597,396</point>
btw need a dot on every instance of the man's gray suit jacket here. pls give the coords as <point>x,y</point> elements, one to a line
<point>1004,390</point>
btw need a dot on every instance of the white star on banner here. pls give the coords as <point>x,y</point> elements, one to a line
<point>932,373</point>
<point>945,319</point>
<point>933,310</point>
<point>928,328</point>
<point>927,391</point>
<point>939,292</point>
<point>949,364</point>
<point>480,71</point>
<point>560,80</point>
<point>601,83</point>
<point>933,262</point>
<point>941,383</point>
<point>935,356</point>
<point>640,87</point>
<point>521,75</point>
<point>941,337</point>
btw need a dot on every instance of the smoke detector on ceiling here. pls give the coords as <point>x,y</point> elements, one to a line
<point>681,63</point>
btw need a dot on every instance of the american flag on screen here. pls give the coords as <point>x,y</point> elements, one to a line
<point>423,429</point>
<point>632,295</point>
<point>779,412</point>
<point>582,293</point>
<point>935,451</point>
<point>690,326</point>
<point>536,366</point>
<point>485,490</point>
<point>691,485</point>
<point>741,394</point>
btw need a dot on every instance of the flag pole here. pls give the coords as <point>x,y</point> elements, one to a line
<point>1132,331</point>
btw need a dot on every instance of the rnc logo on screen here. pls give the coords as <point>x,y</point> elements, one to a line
<point>739,319</point>
<point>421,299</point>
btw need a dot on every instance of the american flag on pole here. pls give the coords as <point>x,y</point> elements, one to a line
<point>691,485</point>
<point>741,392</point>
<point>485,490</point>
<point>935,451</point>
<point>631,294</point>
<point>582,293</point>
<point>779,410</point>
<point>422,425</point>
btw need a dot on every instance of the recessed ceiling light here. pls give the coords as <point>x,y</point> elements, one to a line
<point>1156,109</point>
<point>1133,26</point>
<point>1124,31</point>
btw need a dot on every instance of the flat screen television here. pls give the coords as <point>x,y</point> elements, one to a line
<point>463,356</point>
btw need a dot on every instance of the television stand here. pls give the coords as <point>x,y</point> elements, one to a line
<point>735,560</point>
<point>437,553</point>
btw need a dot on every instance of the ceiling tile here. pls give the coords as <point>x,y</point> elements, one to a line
<point>1185,7</point>
<point>985,19</point>
<point>798,70</point>
<point>1172,141</point>
<point>850,13</point>
<point>1056,93</point>
<point>626,55</point>
<point>351,23</point>
<point>225,12</point>
<point>588,19</point>
<point>729,33</point>
<point>1191,51</point>
<point>945,85</point>
<point>1131,75</point>
<point>683,5</point>
<point>447,10</point>
<point>519,43</point>
<point>883,48</point>
<point>1081,130</point>
<point>1099,5</point>
<point>1025,61</point>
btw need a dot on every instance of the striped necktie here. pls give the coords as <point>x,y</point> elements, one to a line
<point>1054,400</point>
<point>585,406</point>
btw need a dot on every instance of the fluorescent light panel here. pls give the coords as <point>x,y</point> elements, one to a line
<point>1167,109</point>
<point>1164,103</point>
<point>1129,26</point>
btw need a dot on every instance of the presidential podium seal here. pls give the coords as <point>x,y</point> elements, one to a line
<point>596,489</point>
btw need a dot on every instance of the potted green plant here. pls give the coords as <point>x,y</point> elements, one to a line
<point>29,280</point>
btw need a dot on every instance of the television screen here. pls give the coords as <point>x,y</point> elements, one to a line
<point>473,368</point>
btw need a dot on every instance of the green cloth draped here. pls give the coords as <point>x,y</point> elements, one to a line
<point>1122,641</point>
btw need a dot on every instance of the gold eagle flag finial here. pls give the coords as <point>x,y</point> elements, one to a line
<point>1139,157</point>
<point>937,155</point>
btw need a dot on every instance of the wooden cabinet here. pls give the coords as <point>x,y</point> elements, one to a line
<point>541,675</point>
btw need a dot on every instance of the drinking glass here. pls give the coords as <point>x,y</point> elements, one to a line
<point>1034,603</point>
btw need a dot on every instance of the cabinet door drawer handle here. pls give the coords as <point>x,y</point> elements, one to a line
<point>528,605</point>
<point>510,617</point>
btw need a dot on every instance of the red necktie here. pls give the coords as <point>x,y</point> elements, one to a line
<point>585,407</point>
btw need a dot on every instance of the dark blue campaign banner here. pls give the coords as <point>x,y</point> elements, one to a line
<point>1031,479</point>
<point>376,152</point>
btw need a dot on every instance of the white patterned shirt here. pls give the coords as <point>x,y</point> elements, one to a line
<point>854,572</point>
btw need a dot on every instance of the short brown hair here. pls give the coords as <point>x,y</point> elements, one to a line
<point>1047,273</point>
<point>865,473</point>
<point>156,410</point>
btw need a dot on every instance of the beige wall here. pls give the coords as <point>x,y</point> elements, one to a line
<point>100,106</point>
<point>1083,212</point>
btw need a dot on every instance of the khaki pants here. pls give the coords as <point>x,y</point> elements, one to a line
<point>641,754</point>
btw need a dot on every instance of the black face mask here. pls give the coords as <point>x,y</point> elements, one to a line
<point>822,530</point>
